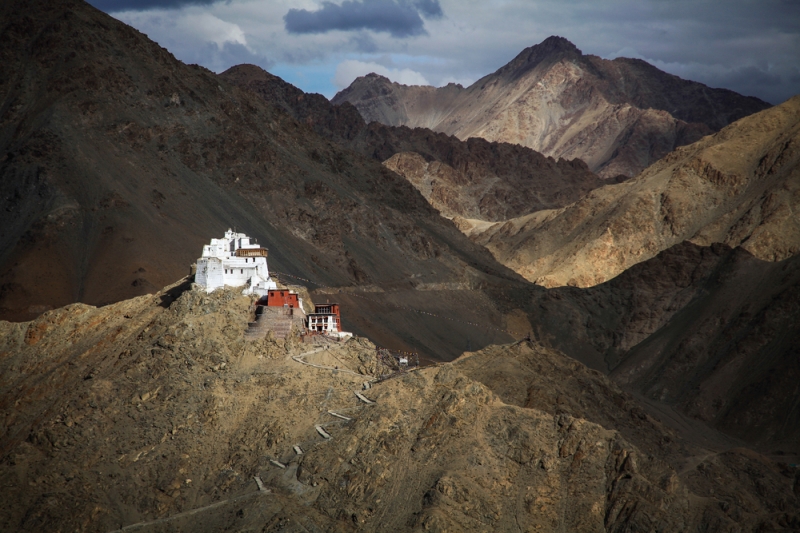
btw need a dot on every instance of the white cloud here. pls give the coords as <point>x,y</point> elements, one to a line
<point>746,46</point>
<point>350,69</point>
<point>186,27</point>
<point>211,29</point>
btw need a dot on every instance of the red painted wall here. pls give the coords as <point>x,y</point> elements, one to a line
<point>279,298</point>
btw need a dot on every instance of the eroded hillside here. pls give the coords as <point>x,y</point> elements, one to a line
<point>740,187</point>
<point>156,406</point>
<point>473,178</point>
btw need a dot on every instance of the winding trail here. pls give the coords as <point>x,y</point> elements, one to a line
<point>299,359</point>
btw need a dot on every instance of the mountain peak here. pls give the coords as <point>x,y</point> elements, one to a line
<point>556,43</point>
<point>551,48</point>
<point>367,82</point>
<point>373,78</point>
<point>249,72</point>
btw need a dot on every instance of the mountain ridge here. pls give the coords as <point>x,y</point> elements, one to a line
<point>619,116</point>
<point>472,178</point>
<point>156,406</point>
<point>736,187</point>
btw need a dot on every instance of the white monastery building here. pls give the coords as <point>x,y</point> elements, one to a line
<point>234,261</point>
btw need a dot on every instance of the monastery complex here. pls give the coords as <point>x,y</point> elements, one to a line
<point>237,261</point>
<point>234,261</point>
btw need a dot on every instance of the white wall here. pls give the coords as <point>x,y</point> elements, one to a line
<point>217,267</point>
<point>210,273</point>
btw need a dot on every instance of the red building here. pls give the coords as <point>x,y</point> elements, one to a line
<point>282,298</point>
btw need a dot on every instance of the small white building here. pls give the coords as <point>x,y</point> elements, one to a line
<point>234,261</point>
<point>326,320</point>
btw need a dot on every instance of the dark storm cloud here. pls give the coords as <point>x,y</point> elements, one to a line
<point>429,8</point>
<point>399,18</point>
<point>110,6</point>
<point>364,43</point>
<point>755,81</point>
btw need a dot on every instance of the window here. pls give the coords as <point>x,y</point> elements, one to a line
<point>226,270</point>
<point>241,271</point>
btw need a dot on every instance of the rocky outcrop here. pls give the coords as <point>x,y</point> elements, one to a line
<point>738,187</point>
<point>493,180</point>
<point>618,116</point>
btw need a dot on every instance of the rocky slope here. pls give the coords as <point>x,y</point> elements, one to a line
<point>119,162</point>
<point>708,331</point>
<point>740,187</point>
<point>473,179</point>
<point>618,116</point>
<point>155,411</point>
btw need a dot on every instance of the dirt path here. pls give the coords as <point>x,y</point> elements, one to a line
<point>300,359</point>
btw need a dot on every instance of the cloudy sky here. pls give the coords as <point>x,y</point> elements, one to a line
<point>750,46</point>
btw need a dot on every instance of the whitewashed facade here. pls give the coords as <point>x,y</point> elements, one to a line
<point>234,261</point>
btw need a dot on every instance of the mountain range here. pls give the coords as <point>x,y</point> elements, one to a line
<point>488,180</point>
<point>618,116</point>
<point>739,187</point>
<point>612,352</point>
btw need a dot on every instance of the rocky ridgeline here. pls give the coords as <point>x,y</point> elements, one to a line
<point>618,116</point>
<point>157,406</point>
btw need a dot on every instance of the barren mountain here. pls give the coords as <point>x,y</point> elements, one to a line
<point>618,116</point>
<point>155,415</point>
<point>740,187</point>
<point>473,178</point>
<point>710,332</point>
<point>119,162</point>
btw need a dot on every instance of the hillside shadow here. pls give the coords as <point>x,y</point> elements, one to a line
<point>174,292</point>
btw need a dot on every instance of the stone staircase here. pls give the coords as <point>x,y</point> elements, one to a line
<point>278,320</point>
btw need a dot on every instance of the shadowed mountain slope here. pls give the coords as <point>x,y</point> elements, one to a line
<point>120,162</point>
<point>618,116</point>
<point>473,179</point>
<point>708,331</point>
